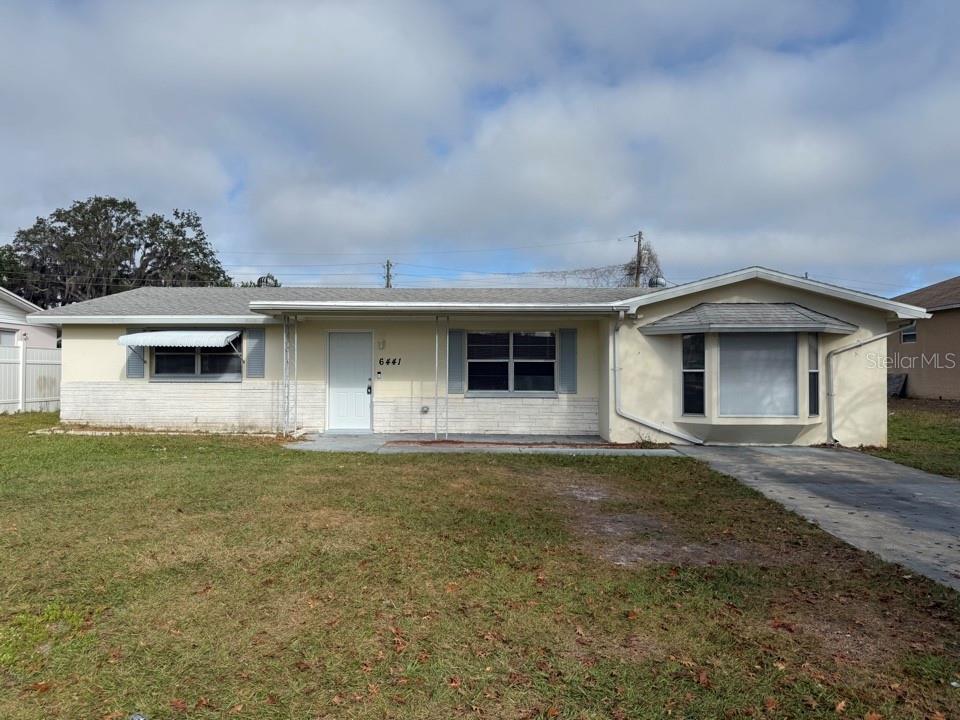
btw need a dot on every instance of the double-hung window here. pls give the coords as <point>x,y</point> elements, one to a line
<point>694,371</point>
<point>202,363</point>
<point>813,374</point>
<point>516,362</point>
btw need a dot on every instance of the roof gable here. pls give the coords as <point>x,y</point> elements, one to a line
<point>901,310</point>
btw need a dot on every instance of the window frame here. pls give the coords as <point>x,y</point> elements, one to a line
<point>7,332</point>
<point>813,375</point>
<point>511,361</point>
<point>684,371</point>
<point>197,375</point>
<point>911,333</point>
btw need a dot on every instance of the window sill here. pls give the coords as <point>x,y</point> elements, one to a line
<point>783,420</point>
<point>195,379</point>
<point>508,394</point>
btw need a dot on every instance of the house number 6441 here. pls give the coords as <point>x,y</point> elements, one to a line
<point>390,361</point>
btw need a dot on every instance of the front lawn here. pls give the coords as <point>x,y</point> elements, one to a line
<point>203,577</point>
<point>924,434</point>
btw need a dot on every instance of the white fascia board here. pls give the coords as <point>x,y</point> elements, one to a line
<point>151,320</point>
<point>279,306</point>
<point>902,310</point>
<point>14,299</point>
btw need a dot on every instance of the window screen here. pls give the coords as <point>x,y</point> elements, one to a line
<point>758,374</point>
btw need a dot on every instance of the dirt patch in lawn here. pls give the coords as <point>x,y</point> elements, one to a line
<point>611,527</point>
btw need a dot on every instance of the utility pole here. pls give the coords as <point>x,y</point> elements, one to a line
<point>388,275</point>
<point>637,271</point>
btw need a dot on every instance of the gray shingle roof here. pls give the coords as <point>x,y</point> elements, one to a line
<point>747,317</point>
<point>156,301</point>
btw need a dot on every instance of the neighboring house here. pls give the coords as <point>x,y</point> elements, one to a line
<point>740,357</point>
<point>13,323</point>
<point>29,359</point>
<point>930,354</point>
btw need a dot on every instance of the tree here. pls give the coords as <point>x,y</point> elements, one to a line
<point>103,245</point>
<point>620,275</point>
<point>268,280</point>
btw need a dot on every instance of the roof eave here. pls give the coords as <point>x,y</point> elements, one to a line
<point>18,301</point>
<point>724,328</point>
<point>276,307</point>
<point>60,320</point>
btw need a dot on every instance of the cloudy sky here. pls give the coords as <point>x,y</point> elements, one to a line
<point>462,139</point>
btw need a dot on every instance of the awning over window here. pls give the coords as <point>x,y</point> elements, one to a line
<point>180,338</point>
<point>747,317</point>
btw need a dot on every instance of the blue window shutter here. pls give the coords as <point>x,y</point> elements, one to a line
<point>568,361</point>
<point>456,361</point>
<point>256,352</point>
<point>135,357</point>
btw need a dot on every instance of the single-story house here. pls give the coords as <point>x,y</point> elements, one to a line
<point>751,356</point>
<point>929,354</point>
<point>13,323</point>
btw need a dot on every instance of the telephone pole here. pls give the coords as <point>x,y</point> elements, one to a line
<point>388,275</point>
<point>637,271</point>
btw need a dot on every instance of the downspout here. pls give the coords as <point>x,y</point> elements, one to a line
<point>831,440</point>
<point>436,377</point>
<point>659,427</point>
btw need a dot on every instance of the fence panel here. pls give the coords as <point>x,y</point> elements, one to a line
<point>9,377</point>
<point>39,378</point>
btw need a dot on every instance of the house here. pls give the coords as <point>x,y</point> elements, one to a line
<point>752,356</point>
<point>29,359</point>
<point>13,323</point>
<point>929,354</point>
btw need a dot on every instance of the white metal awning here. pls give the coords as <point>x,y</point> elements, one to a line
<point>180,338</point>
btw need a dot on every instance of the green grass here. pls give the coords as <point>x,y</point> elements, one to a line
<point>924,434</point>
<point>209,577</point>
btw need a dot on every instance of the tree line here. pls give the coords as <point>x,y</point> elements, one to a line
<point>105,245</point>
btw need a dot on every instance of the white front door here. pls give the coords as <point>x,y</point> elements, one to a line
<point>351,380</point>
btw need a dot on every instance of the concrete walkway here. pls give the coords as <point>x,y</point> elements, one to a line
<point>905,516</point>
<point>396,444</point>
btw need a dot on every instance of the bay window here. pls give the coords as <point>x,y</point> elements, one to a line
<point>511,362</point>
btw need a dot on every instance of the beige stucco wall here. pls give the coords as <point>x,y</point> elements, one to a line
<point>932,363</point>
<point>651,377</point>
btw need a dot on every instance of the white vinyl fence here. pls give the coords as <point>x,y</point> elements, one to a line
<point>29,379</point>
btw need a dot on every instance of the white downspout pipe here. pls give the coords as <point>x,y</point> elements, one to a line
<point>831,440</point>
<point>659,427</point>
<point>436,377</point>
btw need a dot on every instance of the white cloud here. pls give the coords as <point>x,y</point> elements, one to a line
<point>815,136</point>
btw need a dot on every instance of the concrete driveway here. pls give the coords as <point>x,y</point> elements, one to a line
<point>905,516</point>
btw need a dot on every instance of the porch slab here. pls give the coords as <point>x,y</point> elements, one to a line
<point>403,443</point>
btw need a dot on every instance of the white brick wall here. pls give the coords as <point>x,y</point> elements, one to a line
<point>562,415</point>
<point>248,406</point>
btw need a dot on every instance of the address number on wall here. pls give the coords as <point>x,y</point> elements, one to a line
<point>390,361</point>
